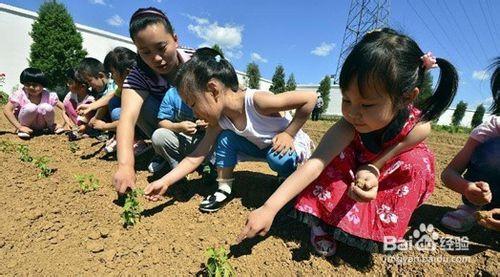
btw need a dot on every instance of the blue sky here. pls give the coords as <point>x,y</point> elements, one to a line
<point>306,36</point>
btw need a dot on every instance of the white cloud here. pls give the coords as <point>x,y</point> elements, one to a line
<point>116,20</point>
<point>228,37</point>
<point>198,20</point>
<point>100,2</point>
<point>480,75</point>
<point>488,101</point>
<point>323,50</point>
<point>257,58</point>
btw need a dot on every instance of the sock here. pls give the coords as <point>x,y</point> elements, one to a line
<point>224,185</point>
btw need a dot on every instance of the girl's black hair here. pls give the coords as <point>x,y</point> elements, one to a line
<point>121,59</point>
<point>91,67</point>
<point>73,75</point>
<point>33,75</point>
<point>389,60</point>
<point>495,86</point>
<point>141,19</point>
<point>206,63</point>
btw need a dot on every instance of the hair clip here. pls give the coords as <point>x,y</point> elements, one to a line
<point>428,61</point>
<point>217,58</point>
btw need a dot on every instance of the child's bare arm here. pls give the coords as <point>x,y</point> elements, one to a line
<point>186,127</point>
<point>8,111</point>
<point>84,109</point>
<point>156,189</point>
<point>66,119</point>
<point>302,101</point>
<point>333,142</point>
<point>365,186</point>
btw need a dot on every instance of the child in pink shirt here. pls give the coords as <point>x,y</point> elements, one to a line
<point>78,95</point>
<point>32,107</point>
<point>480,160</point>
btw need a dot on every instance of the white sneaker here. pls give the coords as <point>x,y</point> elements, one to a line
<point>23,135</point>
<point>110,146</point>
<point>156,164</point>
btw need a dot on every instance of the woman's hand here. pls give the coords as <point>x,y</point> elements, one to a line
<point>155,190</point>
<point>124,179</point>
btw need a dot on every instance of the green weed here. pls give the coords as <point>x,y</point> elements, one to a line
<point>217,263</point>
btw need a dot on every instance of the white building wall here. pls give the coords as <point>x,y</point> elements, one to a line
<point>15,25</point>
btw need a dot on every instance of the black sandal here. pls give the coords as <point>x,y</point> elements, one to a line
<point>210,203</point>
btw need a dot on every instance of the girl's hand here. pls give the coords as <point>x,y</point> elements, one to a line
<point>124,179</point>
<point>201,124</point>
<point>84,109</point>
<point>283,143</point>
<point>359,194</point>
<point>25,129</point>
<point>188,127</point>
<point>98,124</point>
<point>366,177</point>
<point>490,222</point>
<point>478,193</point>
<point>155,190</point>
<point>258,223</point>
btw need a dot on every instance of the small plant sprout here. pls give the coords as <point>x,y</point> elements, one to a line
<point>24,154</point>
<point>132,209</point>
<point>7,146</point>
<point>41,163</point>
<point>73,147</point>
<point>87,183</point>
<point>217,263</point>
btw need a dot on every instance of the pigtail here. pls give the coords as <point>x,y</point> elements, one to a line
<point>495,86</point>
<point>442,97</point>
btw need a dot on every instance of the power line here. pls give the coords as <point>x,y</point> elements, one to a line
<point>458,32</point>
<point>488,24</point>
<point>473,30</point>
<point>445,33</point>
<point>426,26</point>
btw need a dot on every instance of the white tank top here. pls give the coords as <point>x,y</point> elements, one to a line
<point>261,129</point>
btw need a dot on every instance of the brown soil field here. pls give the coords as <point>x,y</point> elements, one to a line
<point>49,228</point>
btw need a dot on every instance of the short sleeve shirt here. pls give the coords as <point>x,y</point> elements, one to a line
<point>487,130</point>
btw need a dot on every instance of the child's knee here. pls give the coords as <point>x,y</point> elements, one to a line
<point>162,137</point>
<point>115,114</point>
<point>29,108</point>
<point>283,165</point>
<point>45,108</point>
<point>225,139</point>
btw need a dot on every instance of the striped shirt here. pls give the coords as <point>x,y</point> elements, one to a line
<point>138,80</point>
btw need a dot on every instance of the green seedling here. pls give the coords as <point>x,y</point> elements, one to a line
<point>132,209</point>
<point>24,153</point>
<point>217,263</point>
<point>45,170</point>
<point>7,146</point>
<point>87,183</point>
<point>73,147</point>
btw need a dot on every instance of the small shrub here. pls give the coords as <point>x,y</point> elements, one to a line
<point>132,208</point>
<point>24,154</point>
<point>73,147</point>
<point>45,170</point>
<point>217,263</point>
<point>87,182</point>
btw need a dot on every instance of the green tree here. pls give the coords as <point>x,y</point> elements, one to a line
<point>217,48</point>
<point>425,91</point>
<point>253,75</point>
<point>278,85</point>
<point>477,118</point>
<point>459,113</point>
<point>291,84</point>
<point>324,89</point>
<point>57,45</point>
